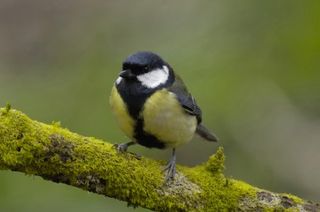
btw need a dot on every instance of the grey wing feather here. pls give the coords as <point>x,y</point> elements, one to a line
<point>186,100</point>
<point>189,104</point>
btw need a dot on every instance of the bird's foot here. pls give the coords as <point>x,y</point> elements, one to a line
<point>123,147</point>
<point>170,169</point>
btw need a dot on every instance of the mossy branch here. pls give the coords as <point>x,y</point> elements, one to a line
<point>61,156</point>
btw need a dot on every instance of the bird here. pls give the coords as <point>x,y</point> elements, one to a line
<point>154,108</point>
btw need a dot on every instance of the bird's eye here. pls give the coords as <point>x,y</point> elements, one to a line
<point>146,68</point>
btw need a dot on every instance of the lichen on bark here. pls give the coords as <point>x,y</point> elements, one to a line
<point>58,155</point>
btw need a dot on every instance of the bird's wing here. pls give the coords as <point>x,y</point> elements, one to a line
<point>186,100</point>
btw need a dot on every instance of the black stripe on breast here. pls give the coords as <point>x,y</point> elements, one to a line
<point>135,95</point>
<point>146,139</point>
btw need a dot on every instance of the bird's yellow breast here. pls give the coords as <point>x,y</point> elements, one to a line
<point>165,118</point>
<point>120,110</point>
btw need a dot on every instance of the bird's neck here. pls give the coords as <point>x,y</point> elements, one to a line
<point>134,94</point>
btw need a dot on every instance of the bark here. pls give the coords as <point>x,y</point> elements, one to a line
<point>61,156</point>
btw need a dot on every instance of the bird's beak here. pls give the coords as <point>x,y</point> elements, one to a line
<point>127,74</point>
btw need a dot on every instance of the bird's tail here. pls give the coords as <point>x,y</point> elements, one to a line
<point>205,133</point>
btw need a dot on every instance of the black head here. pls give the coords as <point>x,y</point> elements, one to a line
<point>140,63</point>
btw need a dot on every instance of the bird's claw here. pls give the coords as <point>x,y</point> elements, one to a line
<point>170,170</point>
<point>124,147</point>
<point>121,147</point>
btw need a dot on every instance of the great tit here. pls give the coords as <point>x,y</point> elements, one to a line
<point>154,108</point>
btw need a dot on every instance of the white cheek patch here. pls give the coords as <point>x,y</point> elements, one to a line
<point>155,77</point>
<point>118,80</point>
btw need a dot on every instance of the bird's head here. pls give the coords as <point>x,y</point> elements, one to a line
<point>146,68</point>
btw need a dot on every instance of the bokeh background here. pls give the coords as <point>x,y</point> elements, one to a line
<point>253,66</point>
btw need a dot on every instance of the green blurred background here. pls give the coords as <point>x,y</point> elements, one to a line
<point>253,67</point>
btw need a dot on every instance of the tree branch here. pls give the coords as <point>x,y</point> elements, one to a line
<point>61,156</point>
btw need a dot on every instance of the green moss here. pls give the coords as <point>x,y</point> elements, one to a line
<point>296,199</point>
<point>219,192</point>
<point>56,124</point>
<point>8,107</point>
<point>61,156</point>
<point>91,164</point>
<point>215,163</point>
